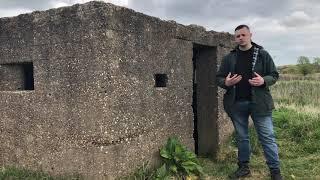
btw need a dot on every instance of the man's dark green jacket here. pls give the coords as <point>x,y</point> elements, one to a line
<point>261,97</point>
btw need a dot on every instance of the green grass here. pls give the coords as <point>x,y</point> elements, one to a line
<point>297,92</point>
<point>13,173</point>
<point>298,139</point>
<point>145,171</point>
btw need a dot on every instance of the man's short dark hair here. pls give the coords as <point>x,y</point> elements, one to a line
<point>241,26</point>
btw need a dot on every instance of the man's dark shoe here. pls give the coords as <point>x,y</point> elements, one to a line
<point>242,171</point>
<point>276,174</point>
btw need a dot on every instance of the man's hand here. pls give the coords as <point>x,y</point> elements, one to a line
<point>256,81</point>
<point>232,80</point>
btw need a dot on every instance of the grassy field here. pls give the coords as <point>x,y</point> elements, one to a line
<point>297,128</point>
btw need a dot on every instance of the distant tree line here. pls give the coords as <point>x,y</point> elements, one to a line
<point>304,66</point>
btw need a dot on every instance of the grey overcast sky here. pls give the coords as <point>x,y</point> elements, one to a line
<point>286,28</point>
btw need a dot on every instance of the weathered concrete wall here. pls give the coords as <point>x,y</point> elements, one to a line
<point>224,122</point>
<point>12,77</point>
<point>94,109</point>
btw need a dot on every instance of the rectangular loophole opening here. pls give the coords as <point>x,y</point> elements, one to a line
<point>17,77</point>
<point>160,80</point>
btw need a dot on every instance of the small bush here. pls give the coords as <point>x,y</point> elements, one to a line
<point>178,160</point>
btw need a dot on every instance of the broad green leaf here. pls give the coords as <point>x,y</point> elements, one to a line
<point>165,154</point>
<point>178,149</point>
<point>162,172</point>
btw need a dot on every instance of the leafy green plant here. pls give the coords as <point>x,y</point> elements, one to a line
<point>179,160</point>
<point>162,173</point>
<point>179,163</point>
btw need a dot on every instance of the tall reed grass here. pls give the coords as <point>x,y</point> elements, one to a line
<point>297,93</point>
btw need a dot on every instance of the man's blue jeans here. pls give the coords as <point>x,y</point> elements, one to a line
<point>264,127</point>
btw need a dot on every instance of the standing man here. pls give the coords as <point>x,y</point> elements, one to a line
<point>246,73</point>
